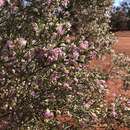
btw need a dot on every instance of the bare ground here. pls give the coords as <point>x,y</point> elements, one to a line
<point>123,42</point>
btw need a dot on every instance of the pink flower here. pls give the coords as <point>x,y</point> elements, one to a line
<point>83,45</point>
<point>55,54</point>
<point>93,54</point>
<point>9,44</point>
<point>33,93</point>
<point>76,80</point>
<point>76,55</point>
<point>128,102</point>
<point>22,42</point>
<point>87,105</point>
<point>35,27</point>
<point>94,116</point>
<point>65,3</point>
<point>49,2</point>
<point>60,29</point>
<point>114,110</point>
<point>74,50</point>
<point>48,114</point>
<point>55,76</point>
<point>66,85</point>
<point>114,113</point>
<point>2,2</point>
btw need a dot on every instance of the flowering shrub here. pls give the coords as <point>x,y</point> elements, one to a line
<point>45,80</point>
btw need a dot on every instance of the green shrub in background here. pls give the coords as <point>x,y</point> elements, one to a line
<point>120,17</point>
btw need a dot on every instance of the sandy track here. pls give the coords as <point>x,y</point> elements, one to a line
<point>123,43</point>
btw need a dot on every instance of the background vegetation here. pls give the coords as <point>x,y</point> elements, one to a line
<point>120,19</point>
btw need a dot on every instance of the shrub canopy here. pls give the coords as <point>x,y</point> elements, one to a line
<point>45,50</point>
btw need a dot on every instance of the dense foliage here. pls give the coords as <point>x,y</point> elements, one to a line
<point>47,81</point>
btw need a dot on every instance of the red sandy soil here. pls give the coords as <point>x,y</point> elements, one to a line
<point>115,85</point>
<point>123,43</point>
<point>122,46</point>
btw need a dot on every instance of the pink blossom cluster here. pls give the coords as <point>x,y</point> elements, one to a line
<point>9,44</point>
<point>60,30</point>
<point>48,55</point>
<point>54,54</point>
<point>21,42</point>
<point>48,114</point>
<point>49,2</point>
<point>2,2</point>
<point>114,110</point>
<point>83,45</point>
<point>65,2</point>
<point>55,76</point>
<point>18,43</point>
<point>74,52</point>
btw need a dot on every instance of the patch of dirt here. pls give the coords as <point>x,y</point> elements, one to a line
<point>123,42</point>
<point>115,85</point>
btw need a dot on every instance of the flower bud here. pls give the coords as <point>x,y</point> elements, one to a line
<point>83,45</point>
<point>48,114</point>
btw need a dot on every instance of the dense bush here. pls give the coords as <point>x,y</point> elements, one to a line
<point>119,20</point>
<point>46,79</point>
<point>120,17</point>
